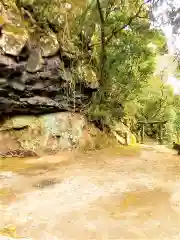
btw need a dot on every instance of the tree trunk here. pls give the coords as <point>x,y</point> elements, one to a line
<point>102,70</point>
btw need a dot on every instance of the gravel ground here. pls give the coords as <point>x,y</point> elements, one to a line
<point>100,196</point>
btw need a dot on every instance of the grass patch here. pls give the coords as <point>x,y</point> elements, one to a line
<point>125,150</point>
<point>22,166</point>
<point>7,195</point>
<point>14,164</point>
<point>9,231</point>
<point>14,30</point>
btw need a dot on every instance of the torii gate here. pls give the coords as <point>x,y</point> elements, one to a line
<point>160,127</point>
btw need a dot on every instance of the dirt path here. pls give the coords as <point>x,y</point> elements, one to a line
<point>97,196</point>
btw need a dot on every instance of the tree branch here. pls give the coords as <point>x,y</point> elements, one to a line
<point>109,8</point>
<point>116,30</point>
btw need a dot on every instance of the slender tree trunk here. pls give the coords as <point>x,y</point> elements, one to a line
<point>102,70</point>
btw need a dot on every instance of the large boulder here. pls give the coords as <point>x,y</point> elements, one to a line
<point>35,61</point>
<point>13,34</point>
<point>49,44</point>
<point>123,134</point>
<point>13,39</point>
<point>46,133</point>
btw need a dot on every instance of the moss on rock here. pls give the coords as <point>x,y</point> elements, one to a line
<point>51,131</point>
<point>49,44</point>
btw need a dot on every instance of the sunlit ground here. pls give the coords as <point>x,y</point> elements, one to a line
<point>117,193</point>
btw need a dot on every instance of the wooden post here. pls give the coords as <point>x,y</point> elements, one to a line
<point>126,138</point>
<point>160,134</point>
<point>142,133</point>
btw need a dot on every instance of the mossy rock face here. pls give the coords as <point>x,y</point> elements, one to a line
<point>18,122</point>
<point>120,131</point>
<point>39,63</point>
<point>45,40</point>
<point>14,35</point>
<point>62,130</point>
<point>51,131</point>
<point>11,43</point>
<point>49,44</point>
<point>87,74</point>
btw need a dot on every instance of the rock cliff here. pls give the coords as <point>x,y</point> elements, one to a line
<point>38,73</point>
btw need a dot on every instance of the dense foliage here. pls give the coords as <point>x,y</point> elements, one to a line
<point>126,46</point>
